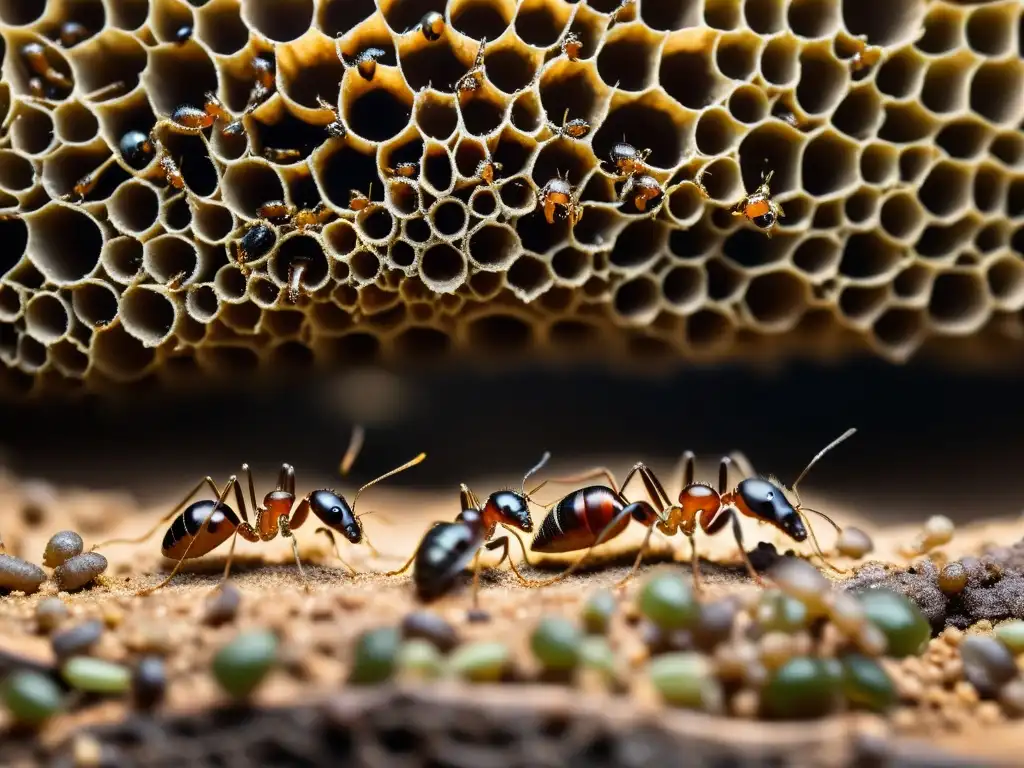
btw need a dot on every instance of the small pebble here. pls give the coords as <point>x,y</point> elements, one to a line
<point>62,546</point>
<point>480,662</point>
<point>50,612</point>
<point>938,530</point>
<point>715,623</point>
<point>988,665</point>
<point>870,639</point>
<point>846,612</point>
<point>96,675</point>
<point>76,640</point>
<point>776,611</point>
<point>596,654</point>
<point>418,659</point>
<point>953,578</point>
<point>222,606</point>
<point>803,688</point>
<point>854,543</point>
<point>668,602</point>
<point>477,616</point>
<point>1011,634</point>
<point>87,751</point>
<point>775,649</point>
<point>906,630</point>
<point>430,627</point>
<point>79,570</point>
<point>685,680</point>
<point>555,642</point>
<point>149,682</point>
<point>866,684</point>
<point>801,580</point>
<point>375,654</point>
<point>598,611</point>
<point>1011,696</point>
<point>30,697</point>
<point>242,664</point>
<point>20,575</point>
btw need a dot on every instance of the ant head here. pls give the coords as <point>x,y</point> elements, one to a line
<point>509,507</point>
<point>767,502</point>
<point>336,514</point>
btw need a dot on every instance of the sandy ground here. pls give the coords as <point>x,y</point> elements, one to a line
<point>320,623</point>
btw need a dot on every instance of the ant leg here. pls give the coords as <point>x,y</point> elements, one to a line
<point>738,534</point>
<point>476,580</point>
<point>636,563</point>
<point>743,464</point>
<point>685,469</point>
<point>330,535</point>
<point>579,478</point>
<point>202,529</point>
<point>163,520</point>
<point>501,542</point>
<point>355,445</point>
<point>698,581</point>
<point>298,561</point>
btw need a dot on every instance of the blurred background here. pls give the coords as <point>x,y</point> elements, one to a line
<point>930,439</point>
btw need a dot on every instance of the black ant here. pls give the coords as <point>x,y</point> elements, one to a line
<point>255,243</point>
<point>560,202</point>
<point>335,129</point>
<point>205,525</point>
<point>577,128</point>
<point>432,26</point>
<point>136,148</point>
<point>447,548</point>
<point>72,33</point>
<point>34,56</point>
<point>183,34</point>
<point>590,516</point>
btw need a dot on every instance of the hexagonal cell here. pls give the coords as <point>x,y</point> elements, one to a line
<point>829,165</point>
<point>775,301</point>
<point>64,243</point>
<point>995,90</point>
<point>947,189</point>
<point>959,302</point>
<point>47,318</point>
<point>885,22</point>
<point>637,301</point>
<point>899,331</point>
<point>629,57</point>
<point>279,20</point>
<point>902,216</point>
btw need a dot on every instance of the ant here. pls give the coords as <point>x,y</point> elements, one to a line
<point>335,129</point>
<point>560,201</point>
<point>447,548</point>
<point>627,159</point>
<point>255,243</point>
<point>188,119</point>
<point>72,33</point>
<point>572,46</point>
<point>204,525</point>
<point>432,26</point>
<point>169,168</point>
<point>136,148</point>
<point>865,55</point>
<point>276,155</point>
<point>642,189</point>
<point>357,201</point>
<point>88,183</point>
<point>34,55</point>
<point>365,62</point>
<point>487,170</point>
<point>573,523</point>
<point>279,212</point>
<point>405,170</point>
<point>576,128</point>
<point>183,34</point>
<point>473,79</point>
<point>759,208</point>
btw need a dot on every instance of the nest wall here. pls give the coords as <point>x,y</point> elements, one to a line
<point>902,181</point>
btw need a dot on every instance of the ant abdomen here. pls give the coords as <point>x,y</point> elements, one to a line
<point>444,552</point>
<point>222,523</point>
<point>578,519</point>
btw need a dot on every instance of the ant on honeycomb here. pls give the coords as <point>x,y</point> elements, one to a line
<point>404,170</point>
<point>45,81</point>
<point>572,46</point>
<point>71,34</point>
<point>432,26</point>
<point>759,208</point>
<point>865,55</point>
<point>136,149</point>
<point>296,271</point>
<point>290,218</point>
<point>487,170</point>
<point>189,119</point>
<point>255,243</point>
<point>277,155</point>
<point>183,34</point>
<point>365,62</point>
<point>577,128</point>
<point>357,201</point>
<point>169,168</point>
<point>473,80</point>
<point>627,160</point>
<point>87,183</point>
<point>560,201</point>
<point>264,70</point>
<point>642,189</point>
<point>335,129</point>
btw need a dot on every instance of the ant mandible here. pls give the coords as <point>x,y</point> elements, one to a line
<point>446,549</point>
<point>572,524</point>
<point>204,525</point>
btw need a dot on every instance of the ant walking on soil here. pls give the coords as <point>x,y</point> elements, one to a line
<point>206,524</point>
<point>589,516</point>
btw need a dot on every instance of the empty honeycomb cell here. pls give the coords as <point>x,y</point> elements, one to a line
<point>509,68</point>
<point>686,204</point>
<point>483,113</point>
<point>1015,198</point>
<point>241,317</point>
<point>228,360</point>
<point>469,153</point>
<point>716,132</point>
<point>947,189</point>
<point>175,215</point>
<point>365,266</point>
<point>526,114</point>
<point>990,186</point>
<point>1008,148</point>
<point>436,115</point>
<point>885,22</point>
<point>19,13</point>
<point>64,242</point>
<point>339,171</point>
<point>629,57</point>
<point>437,174</point>
<point>309,69</point>
<point>127,14</point>
<point>119,355</point>
<point>230,283</point>
<point>538,236</point>
<point>571,266</point>
<point>75,123</point>
<point>862,305</point>
<point>737,55</point>
<point>212,222</point>
<point>568,90</point>
<point>766,17</point>
<point>902,216</point>
<point>995,91</point>
<point>722,180</point>
<point>913,284</point>
<point>340,236</point>
<point>478,19</point>
<point>134,208</point>
<point>376,226</point>
<point>861,207</point>
<point>814,18</point>
<point>959,302</point>
<point>708,330</point>
<point>1005,278</point>
<point>947,84</point>
<point>493,247</point>
<point>11,303</point>
<point>859,114</point>
<point>336,17</point>
<point>66,167</point>
<point>868,258</point>
<point>529,277</point>
<point>449,219</point>
<point>829,165</point>
<point>943,29</point>
<point>685,288</point>
<point>517,196</point>
<point>539,23</point>
<point>95,303</point>
<point>901,75</point>
<point>170,259</point>
<point>689,74</point>
<point>263,292</point>
<point>219,25</point>
<point>776,300</point>
<point>483,203</point>
<point>68,357</point>
<point>992,237</point>
<point>990,28</point>
<point>906,123</point>
<point>416,230</point>
<point>178,75</point>
<point>637,245</point>
<point>166,17</point>
<point>32,356</point>
<point>725,282</point>
<point>431,65</point>
<point>32,131</point>
<point>749,249</point>
<point>770,147</point>
<point>781,66</point>
<point>248,184</point>
<point>900,331</point>
<point>823,79</point>
<point>965,138</point>
<point>278,20</point>
<point>671,15</point>
<point>748,104</point>
<point>914,164</point>
<point>401,255</point>
<point>201,303</point>
<point>637,301</point>
<point>941,240</point>
<point>818,257</point>
<point>403,197</point>
<point>47,318</point>
<point>121,258</point>
<point>16,172</point>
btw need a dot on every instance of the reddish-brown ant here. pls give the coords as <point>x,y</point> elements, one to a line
<point>759,208</point>
<point>335,129</point>
<point>447,548</point>
<point>72,33</point>
<point>628,160</point>
<point>188,119</point>
<point>289,217</point>
<point>865,55</point>
<point>405,170</point>
<point>593,515</point>
<point>87,183</point>
<point>169,168</point>
<point>642,190</point>
<point>357,201</point>
<point>560,203</point>
<point>487,170</point>
<point>432,26</point>
<point>577,128</point>
<point>44,73</point>
<point>276,155</point>
<point>205,525</point>
<point>572,46</point>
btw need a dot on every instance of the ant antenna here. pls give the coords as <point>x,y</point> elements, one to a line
<point>822,452</point>
<point>814,537</point>
<point>537,468</point>
<point>386,475</point>
<point>355,445</point>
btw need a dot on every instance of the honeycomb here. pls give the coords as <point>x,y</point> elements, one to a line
<point>419,140</point>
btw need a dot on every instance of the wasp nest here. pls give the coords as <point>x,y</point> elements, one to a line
<point>226,185</point>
